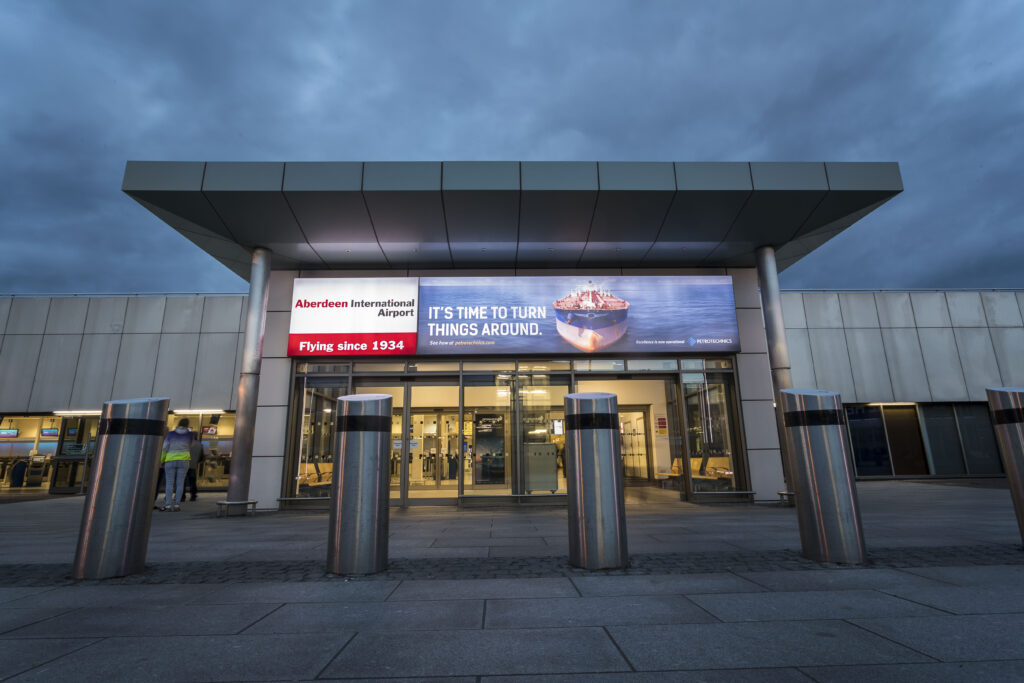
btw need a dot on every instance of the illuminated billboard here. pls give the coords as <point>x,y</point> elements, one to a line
<point>501,315</point>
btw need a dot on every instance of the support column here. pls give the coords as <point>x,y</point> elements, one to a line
<point>249,378</point>
<point>778,349</point>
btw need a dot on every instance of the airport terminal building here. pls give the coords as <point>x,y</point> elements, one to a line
<point>478,294</point>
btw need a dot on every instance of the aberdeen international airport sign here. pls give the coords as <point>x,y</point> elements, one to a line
<point>524,315</point>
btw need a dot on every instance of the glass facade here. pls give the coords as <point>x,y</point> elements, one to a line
<point>497,427</point>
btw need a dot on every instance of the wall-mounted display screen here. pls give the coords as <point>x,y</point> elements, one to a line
<point>210,430</point>
<point>8,433</point>
<point>47,432</point>
<point>486,315</point>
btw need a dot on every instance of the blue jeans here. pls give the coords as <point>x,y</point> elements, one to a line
<point>174,480</point>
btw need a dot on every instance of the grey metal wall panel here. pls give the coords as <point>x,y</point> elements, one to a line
<point>793,310</point>
<point>832,362</point>
<point>801,365</point>
<point>822,310</point>
<point>220,314</point>
<point>1009,348</point>
<point>1020,302</point>
<point>744,287</point>
<point>176,368</point>
<point>241,313</point>
<point>759,426</point>
<point>755,376</point>
<point>136,365</point>
<point>233,402</point>
<point>55,372</point>
<point>215,365</point>
<point>965,309</point>
<point>28,315</point>
<point>894,309</point>
<point>1001,309</point>
<point>145,314</point>
<point>271,422</point>
<point>751,325</point>
<point>858,309</point>
<point>18,358</point>
<point>275,375</point>
<point>867,361</point>
<point>183,314</point>
<point>67,315</point>
<point>275,338</point>
<point>5,309</point>
<point>930,309</point>
<point>279,298</point>
<point>106,315</point>
<point>94,377</point>
<point>906,364</point>
<point>942,363</point>
<point>978,360</point>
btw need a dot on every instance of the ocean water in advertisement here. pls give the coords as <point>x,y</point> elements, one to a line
<point>570,314</point>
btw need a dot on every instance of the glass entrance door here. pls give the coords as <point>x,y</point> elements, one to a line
<point>432,427</point>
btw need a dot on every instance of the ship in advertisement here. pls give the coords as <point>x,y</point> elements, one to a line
<point>591,318</point>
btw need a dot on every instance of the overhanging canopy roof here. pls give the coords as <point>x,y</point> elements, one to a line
<point>470,214</point>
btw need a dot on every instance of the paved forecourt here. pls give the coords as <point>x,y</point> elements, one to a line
<point>713,593</point>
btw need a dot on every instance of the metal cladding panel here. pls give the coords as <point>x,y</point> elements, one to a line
<point>220,313</point>
<point>28,315</point>
<point>94,378</point>
<point>858,309</point>
<point>716,176</point>
<point>894,309</point>
<point>106,315</point>
<point>19,356</point>
<point>350,254</point>
<point>327,200</point>
<point>275,376</point>
<point>641,176</point>
<point>1008,342</point>
<point>548,254</point>
<point>248,198</point>
<point>183,314</point>
<point>942,363</point>
<point>906,364</point>
<point>801,362</point>
<point>751,327</point>
<point>176,368</point>
<point>5,309</point>
<point>136,366</point>
<point>759,425</point>
<point>145,314</point>
<point>793,310</point>
<point>709,198</point>
<point>978,360</point>
<point>268,439</point>
<point>856,188</point>
<point>215,364</point>
<point>417,254</point>
<point>822,310</point>
<point>558,200</point>
<point>279,296</point>
<point>481,201</point>
<point>1001,309</point>
<point>483,254</point>
<point>67,315</point>
<point>481,175</point>
<point>55,372</point>
<point>402,176</point>
<point>744,285</point>
<point>629,216</point>
<point>176,188</point>
<point>832,362</point>
<point>755,376</point>
<point>965,309</point>
<point>930,309</point>
<point>868,364</point>
<point>613,254</point>
<point>275,336</point>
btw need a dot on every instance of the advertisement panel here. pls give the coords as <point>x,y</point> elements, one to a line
<point>494,315</point>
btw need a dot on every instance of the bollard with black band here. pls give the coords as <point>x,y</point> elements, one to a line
<point>821,471</point>
<point>358,536</point>
<point>1007,407</point>
<point>114,534</point>
<point>593,471</point>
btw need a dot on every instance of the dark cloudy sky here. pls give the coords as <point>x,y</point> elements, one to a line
<point>936,85</point>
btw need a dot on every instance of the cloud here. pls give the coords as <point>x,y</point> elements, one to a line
<point>934,86</point>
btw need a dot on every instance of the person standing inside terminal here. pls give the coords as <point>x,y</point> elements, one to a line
<point>196,454</point>
<point>175,458</point>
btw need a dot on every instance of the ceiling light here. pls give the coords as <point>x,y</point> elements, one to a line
<point>198,411</point>
<point>77,413</point>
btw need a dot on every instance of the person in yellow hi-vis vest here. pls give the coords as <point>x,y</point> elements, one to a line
<point>175,459</point>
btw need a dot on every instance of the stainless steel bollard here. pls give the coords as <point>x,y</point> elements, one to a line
<point>358,537</point>
<point>821,471</point>
<point>114,535</point>
<point>1007,408</point>
<point>593,472</point>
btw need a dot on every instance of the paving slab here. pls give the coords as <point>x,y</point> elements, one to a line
<point>604,611</point>
<point>477,589</point>
<point>195,658</point>
<point>836,579</point>
<point>149,619</point>
<point>17,656</point>
<point>783,606</point>
<point>406,615</point>
<point>1002,575</point>
<point>787,675</point>
<point>955,672</point>
<point>955,638</point>
<point>967,599</point>
<point>480,653</point>
<point>14,618</point>
<point>760,644</point>
<point>114,594</point>
<point>338,590</point>
<point>664,584</point>
<point>11,593</point>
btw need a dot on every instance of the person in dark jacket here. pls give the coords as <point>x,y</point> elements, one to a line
<point>196,454</point>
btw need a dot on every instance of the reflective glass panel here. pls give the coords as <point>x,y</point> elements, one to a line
<point>433,366</point>
<point>599,365</point>
<point>542,365</point>
<point>978,439</point>
<point>397,393</point>
<point>316,439</point>
<point>434,441</point>
<point>942,438</point>
<point>488,366</point>
<point>666,364</point>
<point>542,423</point>
<point>905,443</point>
<point>692,363</point>
<point>718,364</point>
<point>709,407</point>
<point>380,367</point>
<point>867,437</point>
<point>487,434</point>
